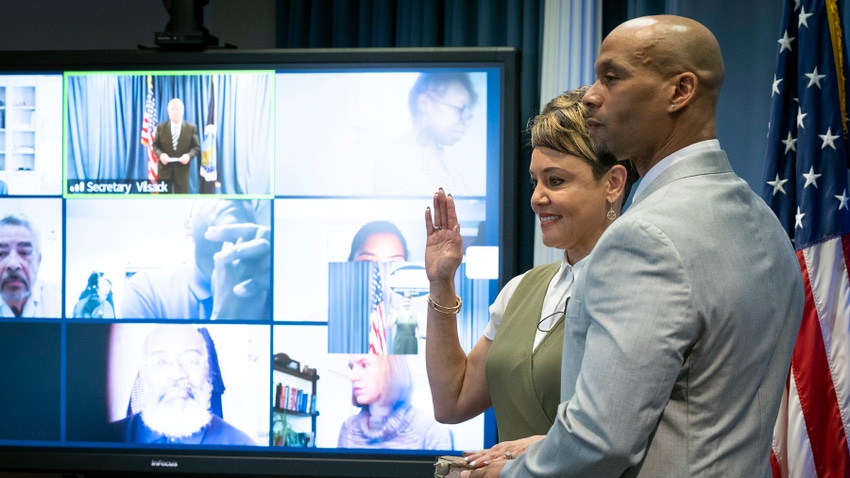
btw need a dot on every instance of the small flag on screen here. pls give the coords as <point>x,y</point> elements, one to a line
<point>149,130</point>
<point>377,333</point>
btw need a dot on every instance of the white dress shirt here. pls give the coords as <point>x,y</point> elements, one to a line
<point>44,302</point>
<point>560,289</point>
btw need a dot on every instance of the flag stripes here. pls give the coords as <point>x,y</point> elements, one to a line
<point>811,370</point>
<point>149,130</point>
<point>377,331</point>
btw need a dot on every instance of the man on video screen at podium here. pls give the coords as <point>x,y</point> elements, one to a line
<point>175,144</point>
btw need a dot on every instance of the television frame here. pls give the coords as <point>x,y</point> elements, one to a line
<point>96,460</point>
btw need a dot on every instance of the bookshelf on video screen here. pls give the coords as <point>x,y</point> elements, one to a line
<point>231,257</point>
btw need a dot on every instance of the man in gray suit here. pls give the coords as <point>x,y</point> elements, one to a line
<point>678,337</point>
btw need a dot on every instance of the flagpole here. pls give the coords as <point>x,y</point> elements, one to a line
<point>835,33</point>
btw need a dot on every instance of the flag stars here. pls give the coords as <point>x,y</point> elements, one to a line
<point>800,117</point>
<point>842,200</point>
<point>798,219</point>
<point>778,185</point>
<point>776,82</point>
<point>828,139</point>
<point>785,42</point>
<point>814,78</point>
<point>804,17</point>
<point>811,178</point>
<point>790,143</point>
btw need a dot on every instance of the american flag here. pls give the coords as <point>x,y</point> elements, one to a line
<point>149,130</point>
<point>806,184</point>
<point>377,333</point>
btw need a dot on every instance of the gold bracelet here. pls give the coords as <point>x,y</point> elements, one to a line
<point>443,309</point>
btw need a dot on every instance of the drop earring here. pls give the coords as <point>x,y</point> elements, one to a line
<point>611,214</point>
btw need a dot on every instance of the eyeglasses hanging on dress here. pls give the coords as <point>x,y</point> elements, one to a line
<point>555,316</point>
<point>558,314</point>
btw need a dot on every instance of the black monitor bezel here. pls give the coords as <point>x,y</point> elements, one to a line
<point>97,459</point>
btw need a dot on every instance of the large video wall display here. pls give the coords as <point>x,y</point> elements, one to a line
<point>236,258</point>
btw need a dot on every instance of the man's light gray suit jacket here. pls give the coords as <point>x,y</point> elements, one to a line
<point>678,337</point>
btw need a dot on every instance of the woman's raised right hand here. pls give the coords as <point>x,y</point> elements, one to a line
<point>444,244</point>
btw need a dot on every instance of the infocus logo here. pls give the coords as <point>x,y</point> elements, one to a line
<point>163,464</point>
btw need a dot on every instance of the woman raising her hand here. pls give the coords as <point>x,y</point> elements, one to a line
<point>515,367</point>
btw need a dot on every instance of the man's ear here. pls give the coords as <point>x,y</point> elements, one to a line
<point>684,90</point>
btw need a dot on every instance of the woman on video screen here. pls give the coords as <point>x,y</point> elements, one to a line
<point>382,387</point>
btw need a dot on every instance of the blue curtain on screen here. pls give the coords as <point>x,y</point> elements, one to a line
<point>105,114</point>
<point>348,306</point>
<point>435,23</point>
<point>104,120</point>
<point>244,105</point>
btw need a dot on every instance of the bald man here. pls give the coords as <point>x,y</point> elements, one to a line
<point>678,336</point>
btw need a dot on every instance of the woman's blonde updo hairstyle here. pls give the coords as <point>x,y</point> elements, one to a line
<point>561,127</point>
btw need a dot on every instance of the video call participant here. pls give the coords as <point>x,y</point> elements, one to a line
<point>417,164</point>
<point>515,367</point>
<point>23,293</point>
<point>95,301</point>
<point>176,389</point>
<point>176,144</point>
<point>228,279</point>
<point>408,330</point>
<point>681,327</point>
<point>375,241</point>
<point>382,387</point>
<point>378,241</point>
<point>4,190</point>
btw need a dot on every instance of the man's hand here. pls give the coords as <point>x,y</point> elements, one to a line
<point>184,159</point>
<point>242,270</point>
<point>163,158</point>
